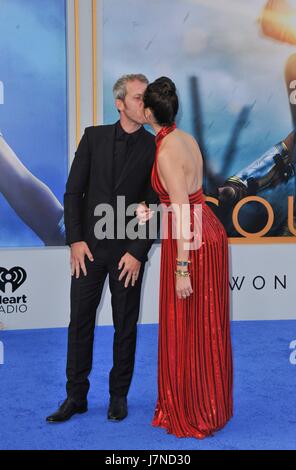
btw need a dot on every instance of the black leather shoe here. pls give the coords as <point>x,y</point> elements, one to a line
<point>67,409</point>
<point>117,410</point>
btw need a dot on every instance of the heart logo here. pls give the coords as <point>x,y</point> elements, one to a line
<point>16,276</point>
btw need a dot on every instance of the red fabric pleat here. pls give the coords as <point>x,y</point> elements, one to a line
<point>195,370</point>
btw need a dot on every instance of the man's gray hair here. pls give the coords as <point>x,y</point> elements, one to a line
<point>119,89</point>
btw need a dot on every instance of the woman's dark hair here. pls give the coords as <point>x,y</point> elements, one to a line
<point>161,97</point>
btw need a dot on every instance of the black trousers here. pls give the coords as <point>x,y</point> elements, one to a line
<point>86,294</point>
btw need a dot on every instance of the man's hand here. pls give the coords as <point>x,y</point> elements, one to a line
<point>78,252</point>
<point>131,268</point>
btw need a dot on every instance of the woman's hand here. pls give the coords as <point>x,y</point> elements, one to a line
<point>183,287</point>
<point>143,213</point>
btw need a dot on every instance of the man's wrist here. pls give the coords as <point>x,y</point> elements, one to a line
<point>78,241</point>
<point>131,254</point>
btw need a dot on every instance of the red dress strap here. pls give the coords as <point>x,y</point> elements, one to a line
<point>165,130</point>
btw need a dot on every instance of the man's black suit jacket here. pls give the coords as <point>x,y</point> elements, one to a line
<point>90,183</point>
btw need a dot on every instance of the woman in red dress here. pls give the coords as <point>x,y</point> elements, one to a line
<point>194,355</point>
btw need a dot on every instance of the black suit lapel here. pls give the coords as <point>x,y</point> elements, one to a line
<point>106,163</point>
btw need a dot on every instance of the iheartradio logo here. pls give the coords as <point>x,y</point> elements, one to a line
<point>16,276</point>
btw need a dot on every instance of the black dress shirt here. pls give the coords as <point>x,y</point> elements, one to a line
<point>123,149</point>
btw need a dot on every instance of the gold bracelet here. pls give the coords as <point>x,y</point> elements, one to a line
<point>181,273</point>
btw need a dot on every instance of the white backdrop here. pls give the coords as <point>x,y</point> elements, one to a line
<point>262,278</point>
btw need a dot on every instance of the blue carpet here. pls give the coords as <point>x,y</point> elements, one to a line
<point>32,382</point>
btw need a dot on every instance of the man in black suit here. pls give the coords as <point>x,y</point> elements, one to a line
<point>110,161</point>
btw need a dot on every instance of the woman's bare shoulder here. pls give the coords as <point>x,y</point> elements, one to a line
<point>188,137</point>
<point>175,143</point>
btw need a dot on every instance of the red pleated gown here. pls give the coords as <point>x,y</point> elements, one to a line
<point>195,374</point>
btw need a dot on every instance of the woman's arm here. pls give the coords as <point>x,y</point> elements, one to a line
<point>31,199</point>
<point>172,172</point>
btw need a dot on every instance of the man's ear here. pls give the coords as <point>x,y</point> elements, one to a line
<point>119,104</point>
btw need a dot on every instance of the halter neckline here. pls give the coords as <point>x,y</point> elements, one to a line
<point>165,130</point>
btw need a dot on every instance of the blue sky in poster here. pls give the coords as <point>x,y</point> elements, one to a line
<point>218,41</point>
<point>33,117</point>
